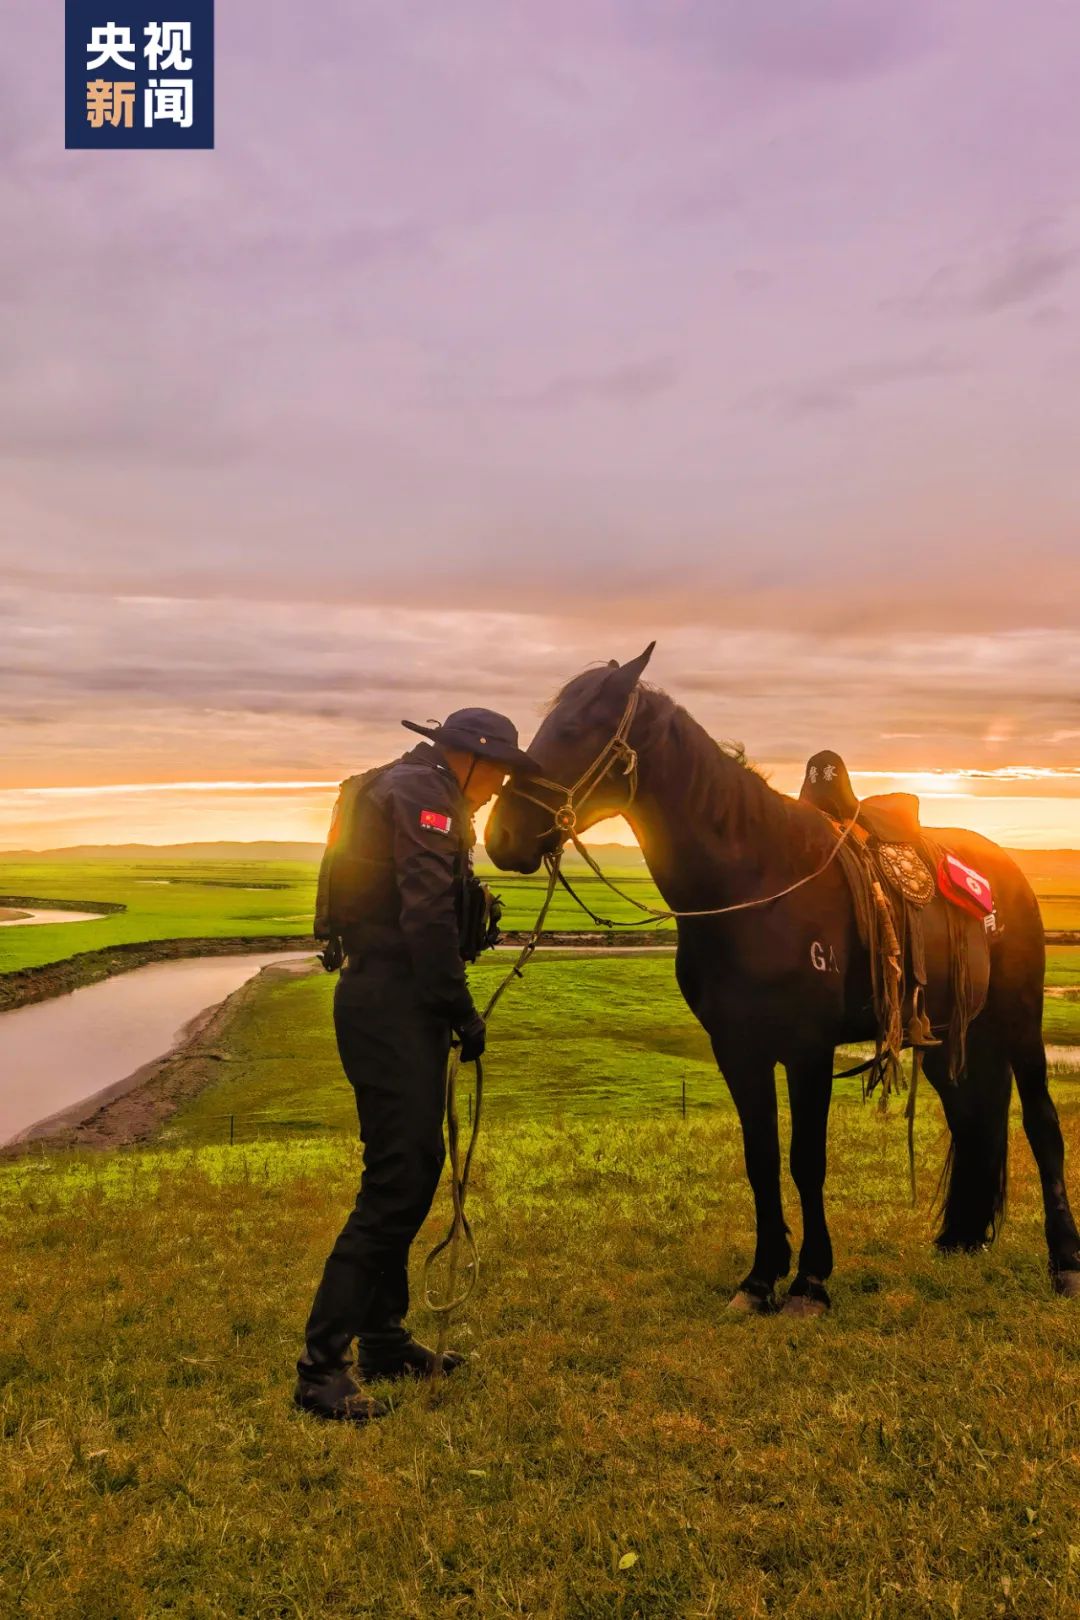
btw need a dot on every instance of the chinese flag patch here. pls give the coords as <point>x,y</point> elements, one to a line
<point>434,822</point>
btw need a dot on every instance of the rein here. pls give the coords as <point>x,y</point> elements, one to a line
<point>617,750</point>
<point>459,1230</point>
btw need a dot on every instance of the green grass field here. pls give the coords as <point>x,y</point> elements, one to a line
<point>578,1036</point>
<point>188,901</point>
<point>1059,902</point>
<point>218,899</point>
<point>618,1446</point>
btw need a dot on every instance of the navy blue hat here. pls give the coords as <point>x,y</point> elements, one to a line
<point>481,732</point>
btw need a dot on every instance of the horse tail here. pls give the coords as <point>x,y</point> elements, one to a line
<point>973,1189</point>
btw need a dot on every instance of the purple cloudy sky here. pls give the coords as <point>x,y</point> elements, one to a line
<point>497,337</point>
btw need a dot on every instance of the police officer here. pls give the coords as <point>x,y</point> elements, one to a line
<point>393,891</point>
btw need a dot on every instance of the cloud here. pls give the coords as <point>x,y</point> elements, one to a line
<point>819,41</point>
<point>126,690</point>
<point>1017,272</point>
<point>528,336</point>
<point>841,389</point>
<point>627,384</point>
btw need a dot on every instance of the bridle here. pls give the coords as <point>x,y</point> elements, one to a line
<point>616,751</point>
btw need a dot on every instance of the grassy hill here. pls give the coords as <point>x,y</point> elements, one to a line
<point>197,900</point>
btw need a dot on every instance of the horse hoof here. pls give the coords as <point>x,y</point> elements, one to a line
<point>803,1305</point>
<point>807,1296</point>
<point>1067,1284</point>
<point>743,1303</point>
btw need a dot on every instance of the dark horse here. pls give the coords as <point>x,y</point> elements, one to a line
<point>714,833</point>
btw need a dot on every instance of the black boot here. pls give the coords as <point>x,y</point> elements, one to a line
<point>396,1354</point>
<point>337,1400</point>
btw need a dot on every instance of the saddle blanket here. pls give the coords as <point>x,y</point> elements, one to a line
<point>965,887</point>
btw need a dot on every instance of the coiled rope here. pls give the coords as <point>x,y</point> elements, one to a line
<point>460,1233</point>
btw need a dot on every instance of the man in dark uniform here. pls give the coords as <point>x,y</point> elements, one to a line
<point>393,892</point>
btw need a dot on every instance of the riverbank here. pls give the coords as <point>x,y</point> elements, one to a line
<point>133,1108</point>
<point>26,985</point>
<point>22,986</point>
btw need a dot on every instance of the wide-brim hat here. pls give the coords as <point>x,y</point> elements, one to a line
<point>481,732</point>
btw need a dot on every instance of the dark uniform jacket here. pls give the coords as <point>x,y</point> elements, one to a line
<point>399,875</point>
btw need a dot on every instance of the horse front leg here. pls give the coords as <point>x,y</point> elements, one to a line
<point>752,1083</point>
<point>810,1091</point>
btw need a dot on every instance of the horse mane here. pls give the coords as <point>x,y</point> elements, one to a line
<point>716,781</point>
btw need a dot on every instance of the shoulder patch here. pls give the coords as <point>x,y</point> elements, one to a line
<point>434,821</point>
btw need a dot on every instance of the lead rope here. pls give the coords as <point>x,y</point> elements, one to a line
<point>618,748</point>
<point>715,911</point>
<point>459,1230</point>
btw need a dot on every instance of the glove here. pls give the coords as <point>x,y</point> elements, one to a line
<point>472,1034</point>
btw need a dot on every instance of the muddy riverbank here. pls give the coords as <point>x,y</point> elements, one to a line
<point>25,985</point>
<point>131,1107</point>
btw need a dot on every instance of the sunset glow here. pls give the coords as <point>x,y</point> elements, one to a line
<point>782,374</point>
<point>1014,806</point>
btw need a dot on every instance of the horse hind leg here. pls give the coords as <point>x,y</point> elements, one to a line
<point>1043,1130</point>
<point>976,1104</point>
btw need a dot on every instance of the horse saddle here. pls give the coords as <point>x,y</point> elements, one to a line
<point>891,822</point>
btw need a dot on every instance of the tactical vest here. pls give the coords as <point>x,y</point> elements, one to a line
<point>339,888</point>
<point>356,887</point>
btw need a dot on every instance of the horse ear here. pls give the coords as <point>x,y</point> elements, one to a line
<point>620,679</point>
<point>634,670</point>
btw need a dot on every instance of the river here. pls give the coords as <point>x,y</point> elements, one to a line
<point>59,1056</point>
<point>27,918</point>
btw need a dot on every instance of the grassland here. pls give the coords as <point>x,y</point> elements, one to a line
<point>1059,902</point>
<point>618,1446</point>
<point>593,1036</point>
<point>213,899</point>
<point>188,901</point>
<point>218,900</point>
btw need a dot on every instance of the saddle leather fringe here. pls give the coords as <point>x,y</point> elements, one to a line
<point>966,1002</point>
<point>890,931</point>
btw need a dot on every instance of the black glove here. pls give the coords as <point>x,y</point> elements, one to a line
<point>472,1033</point>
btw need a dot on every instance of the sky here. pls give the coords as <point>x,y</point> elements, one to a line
<point>496,338</point>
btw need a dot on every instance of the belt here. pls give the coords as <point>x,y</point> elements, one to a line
<point>360,955</point>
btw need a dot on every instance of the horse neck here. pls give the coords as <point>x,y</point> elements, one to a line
<point>711,830</point>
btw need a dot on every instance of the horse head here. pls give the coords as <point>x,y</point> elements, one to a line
<point>587,768</point>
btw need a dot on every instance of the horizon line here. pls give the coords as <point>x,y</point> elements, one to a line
<point>966,773</point>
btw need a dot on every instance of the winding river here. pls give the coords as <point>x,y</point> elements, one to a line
<point>26,918</point>
<point>62,1056</point>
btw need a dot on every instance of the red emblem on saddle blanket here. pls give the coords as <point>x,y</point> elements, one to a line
<point>434,822</point>
<point>965,887</point>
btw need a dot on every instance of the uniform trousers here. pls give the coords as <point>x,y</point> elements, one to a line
<point>394,1052</point>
